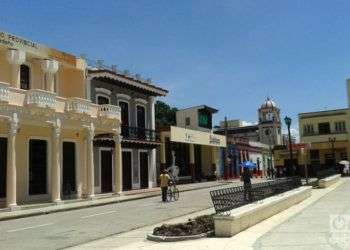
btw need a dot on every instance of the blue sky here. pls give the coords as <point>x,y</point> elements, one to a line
<point>227,54</point>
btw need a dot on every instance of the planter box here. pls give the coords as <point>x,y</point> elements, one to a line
<point>326,182</point>
<point>246,216</point>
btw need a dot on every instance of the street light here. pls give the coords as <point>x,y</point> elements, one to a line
<point>290,169</point>
<point>332,141</point>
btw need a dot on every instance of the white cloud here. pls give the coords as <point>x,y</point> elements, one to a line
<point>245,123</point>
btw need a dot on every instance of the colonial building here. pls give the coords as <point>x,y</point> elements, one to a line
<point>327,134</point>
<point>136,98</point>
<point>47,127</point>
<point>196,147</point>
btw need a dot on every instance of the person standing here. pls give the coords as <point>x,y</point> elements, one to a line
<point>164,183</point>
<point>247,184</point>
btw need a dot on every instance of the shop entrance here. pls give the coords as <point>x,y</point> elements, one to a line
<point>37,167</point>
<point>127,182</point>
<point>68,169</point>
<point>106,171</point>
<point>144,169</point>
<point>3,166</point>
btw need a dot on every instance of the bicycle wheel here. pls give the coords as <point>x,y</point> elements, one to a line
<point>169,195</point>
<point>176,193</point>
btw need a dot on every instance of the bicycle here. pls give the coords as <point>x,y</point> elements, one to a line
<point>173,192</point>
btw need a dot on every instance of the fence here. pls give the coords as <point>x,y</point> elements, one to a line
<point>229,198</point>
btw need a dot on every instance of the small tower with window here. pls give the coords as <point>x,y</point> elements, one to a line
<point>270,123</point>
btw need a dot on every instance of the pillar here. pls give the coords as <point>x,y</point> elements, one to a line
<point>56,162</point>
<point>213,161</point>
<point>162,155</point>
<point>11,172</point>
<point>192,162</point>
<point>152,182</point>
<point>118,164</point>
<point>90,133</point>
<point>16,58</point>
<point>50,67</point>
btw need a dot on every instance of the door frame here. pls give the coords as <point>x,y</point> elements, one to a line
<point>7,138</point>
<point>35,197</point>
<point>77,160</point>
<point>139,160</point>
<point>132,164</point>
<point>98,189</point>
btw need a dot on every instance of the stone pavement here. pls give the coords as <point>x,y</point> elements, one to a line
<point>303,226</point>
<point>103,199</point>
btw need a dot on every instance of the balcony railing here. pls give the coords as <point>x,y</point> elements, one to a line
<point>329,133</point>
<point>4,92</point>
<point>109,111</point>
<point>138,133</point>
<point>41,98</point>
<point>77,105</point>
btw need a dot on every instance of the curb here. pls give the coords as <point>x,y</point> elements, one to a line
<point>52,209</point>
<point>157,238</point>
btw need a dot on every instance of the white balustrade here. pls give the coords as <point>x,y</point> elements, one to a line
<point>109,111</point>
<point>77,105</point>
<point>40,98</point>
<point>4,92</point>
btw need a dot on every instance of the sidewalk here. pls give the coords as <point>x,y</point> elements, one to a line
<point>312,213</point>
<point>103,199</point>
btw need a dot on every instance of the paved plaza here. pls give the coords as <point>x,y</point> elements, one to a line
<point>70,228</point>
<point>303,226</point>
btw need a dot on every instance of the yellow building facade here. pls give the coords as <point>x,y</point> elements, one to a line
<point>47,125</point>
<point>327,133</point>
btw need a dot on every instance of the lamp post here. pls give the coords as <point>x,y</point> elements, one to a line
<point>290,169</point>
<point>226,162</point>
<point>269,161</point>
<point>332,141</point>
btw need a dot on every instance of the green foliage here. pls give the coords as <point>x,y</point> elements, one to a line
<point>165,115</point>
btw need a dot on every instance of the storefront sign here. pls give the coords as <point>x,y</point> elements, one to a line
<point>14,42</point>
<point>183,135</point>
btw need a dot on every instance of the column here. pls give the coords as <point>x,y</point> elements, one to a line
<point>16,58</point>
<point>213,161</point>
<point>152,166</point>
<point>118,164</point>
<point>192,162</point>
<point>162,155</point>
<point>50,67</point>
<point>56,162</point>
<point>11,172</point>
<point>90,133</point>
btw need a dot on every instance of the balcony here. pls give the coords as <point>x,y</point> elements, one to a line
<point>329,133</point>
<point>140,134</point>
<point>324,137</point>
<point>41,99</point>
<point>78,106</point>
<point>4,92</point>
<point>109,111</point>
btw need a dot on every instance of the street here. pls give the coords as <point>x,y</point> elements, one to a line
<point>70,228</point>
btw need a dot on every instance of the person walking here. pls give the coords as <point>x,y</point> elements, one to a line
<point>164,183</point>
<point>247,184</point>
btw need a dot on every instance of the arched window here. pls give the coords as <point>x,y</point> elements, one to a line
<point>25,77</point>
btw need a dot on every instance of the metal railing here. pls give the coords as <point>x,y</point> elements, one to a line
<point>229,198</point>
<point>138,133</point>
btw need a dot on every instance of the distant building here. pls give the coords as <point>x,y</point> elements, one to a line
<point>196,147</point>
<point>267,130</point>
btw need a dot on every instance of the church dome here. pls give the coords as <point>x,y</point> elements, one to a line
<point>268,103</point>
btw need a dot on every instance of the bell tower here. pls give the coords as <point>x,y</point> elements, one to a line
<point>269,123</point>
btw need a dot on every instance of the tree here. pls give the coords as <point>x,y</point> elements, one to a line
<point>165,115</point>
